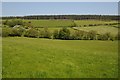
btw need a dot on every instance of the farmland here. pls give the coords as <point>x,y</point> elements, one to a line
<point>88,22</point>
<point>59,40</point>
<point>101,29</point>
<point>38,58</point>
<point>65,23</point>
<point>52,25</point>
<point>41,57</point>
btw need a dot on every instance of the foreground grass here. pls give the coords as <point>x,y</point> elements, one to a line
<point>32,57</point>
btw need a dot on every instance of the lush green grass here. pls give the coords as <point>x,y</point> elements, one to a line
<point>87,22</point>
<point>32,57</point>
<point>65,23</point>
<point>51,23</point>
<point>101,29</point>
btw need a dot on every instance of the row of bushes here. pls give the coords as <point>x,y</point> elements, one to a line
<point>34,33</point>
<point>105,24</point>
<point>83,35</point>
<point>63,34</point>
<point>14,22</point>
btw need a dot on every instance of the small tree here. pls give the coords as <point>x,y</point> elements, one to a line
<point>41,34</point>
<point>92,35</point>
<point>17,31</point>
<point>56,34</point>
<point>64,33</point>
<point>12,23</point>
<point>105,36</point>
<point>47,33</point>
<point>31,33</point>
<point>78,35</point>
<point>6,32</point>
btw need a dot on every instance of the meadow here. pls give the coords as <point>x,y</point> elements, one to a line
<point>88,22</point>
<point>101,29</point>
<point>51,23</point>
<point>25,57</point>
<point>48,58</point>
<point>65,23</point>
<point>58,24</point>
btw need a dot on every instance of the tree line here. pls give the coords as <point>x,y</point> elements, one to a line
<point>73,17</point>
<point>63,34</point>
<point>17,27</point>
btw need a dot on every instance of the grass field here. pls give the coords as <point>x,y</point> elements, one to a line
<point>51,23</point>
<point>101,29</point>
<point>32,57</point>
<point>87,22</point>
<point>65,23</point>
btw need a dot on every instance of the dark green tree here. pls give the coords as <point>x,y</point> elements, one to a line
<point>32,33</point>
<point>64,33</point>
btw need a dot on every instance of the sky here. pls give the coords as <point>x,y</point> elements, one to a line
<point>60,0</point>
<point>59,8</point>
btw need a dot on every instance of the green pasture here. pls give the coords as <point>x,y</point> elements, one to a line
<point>51,23</point>
<point>101,29</point>
<point>47,58</point>
<point>87,22</point>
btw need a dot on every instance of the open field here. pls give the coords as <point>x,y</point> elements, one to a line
<point>64,23</point>
<point>32,57</point>
<point>87,22</point>
<point>51,23</point>
<point>101,29</point>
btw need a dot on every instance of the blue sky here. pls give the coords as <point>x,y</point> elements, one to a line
<point>29,8</point>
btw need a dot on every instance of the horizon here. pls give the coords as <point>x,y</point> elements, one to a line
<point>59,14</point>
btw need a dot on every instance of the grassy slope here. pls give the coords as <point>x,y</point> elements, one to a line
<point>87,22</point>
<point>101,29</point>
<point>98,29</point>
<point>57,24</point>
<point>28,57</point>
<point>51,23</point>
<point>64,23</point>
